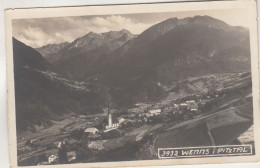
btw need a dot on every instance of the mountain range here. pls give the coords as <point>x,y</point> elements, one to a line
<point>91,43</point>
<point>136,67</point>
<point>169,51</point>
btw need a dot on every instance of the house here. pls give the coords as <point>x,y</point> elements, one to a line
<point>71,156</point>
<point>175,106</point>
<point>190,101</point>
<point>52,158</point>
<point>113,125</point>
<point>148,114</point>
<point>193,107</point>
<point>184,104</point>
<point>59,144</point>
<point>52,154</point>
<point>91,130</point>
<point>82,116</point>
<point>121,120</point>
<point>155,111</point>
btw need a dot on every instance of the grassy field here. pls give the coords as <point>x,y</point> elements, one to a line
<point>190,135</point>
<point>223,126</point>
<point>225,118</point>
<point>227,125</point>
<point>227,134</point>
<point>246,109</point>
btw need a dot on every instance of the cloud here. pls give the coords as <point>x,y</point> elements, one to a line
<point>43,31</point>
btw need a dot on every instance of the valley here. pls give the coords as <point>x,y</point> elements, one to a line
<point>205,127</point>
<point>118,96</point>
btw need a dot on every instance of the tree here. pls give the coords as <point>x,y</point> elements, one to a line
<point>111,134</point>
<point>63,155</point>
<point>77,134</point>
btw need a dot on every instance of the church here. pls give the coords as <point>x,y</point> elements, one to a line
<point>111,125</point>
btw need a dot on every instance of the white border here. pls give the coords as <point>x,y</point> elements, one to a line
<point>253,41</point>
<point>204,147</point>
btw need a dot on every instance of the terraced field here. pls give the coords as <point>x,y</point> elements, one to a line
<point>189,135</point>
<point>220,128</point>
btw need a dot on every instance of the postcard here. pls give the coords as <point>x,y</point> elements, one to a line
<point>133,85</point>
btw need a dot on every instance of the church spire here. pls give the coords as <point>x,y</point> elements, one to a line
<point>109,117</point>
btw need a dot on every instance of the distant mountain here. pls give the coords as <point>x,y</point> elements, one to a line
<point>103,43</point>
<point>82,53</point>
<point>42,95</point>
<point>185,47</point>
<point>51,50</point>
<point>169,51</point>
<point>135,67</point>
<point>111,40</point>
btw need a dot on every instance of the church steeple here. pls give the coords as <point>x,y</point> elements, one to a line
<point>109,117</point>
<point>110,125</point>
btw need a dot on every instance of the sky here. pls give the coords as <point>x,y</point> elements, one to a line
<point>38,32</point>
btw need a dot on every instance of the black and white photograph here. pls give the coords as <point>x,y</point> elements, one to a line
<point>133,86</point>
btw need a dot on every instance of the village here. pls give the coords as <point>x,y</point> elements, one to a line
<point>90,137</point>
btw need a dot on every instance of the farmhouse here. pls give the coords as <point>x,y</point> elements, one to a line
<point>176,106</point>
<point>52,158</point>
<point>148,114</point>
<point>190,101</point>
<point>52,155</point>
<point>193,107</point>
<point>71,156</point>
<point>58,144</point>
<point>155,111</point>
<point>91,130</point>
<point>184,104</point>
<point>121,120</point>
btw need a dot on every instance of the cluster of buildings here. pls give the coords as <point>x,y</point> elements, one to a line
<point>146,111</point>
<point>186,106</point>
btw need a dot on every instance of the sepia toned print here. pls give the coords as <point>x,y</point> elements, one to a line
<point>133,87</point>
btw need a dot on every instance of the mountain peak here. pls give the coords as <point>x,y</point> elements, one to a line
<point>54,44</point>
<point>125,31</point>
<point>120,32</point>
<point>206,19</point>
<point>161,28</point>
<point>91,34</point>
<point>198,19</point>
